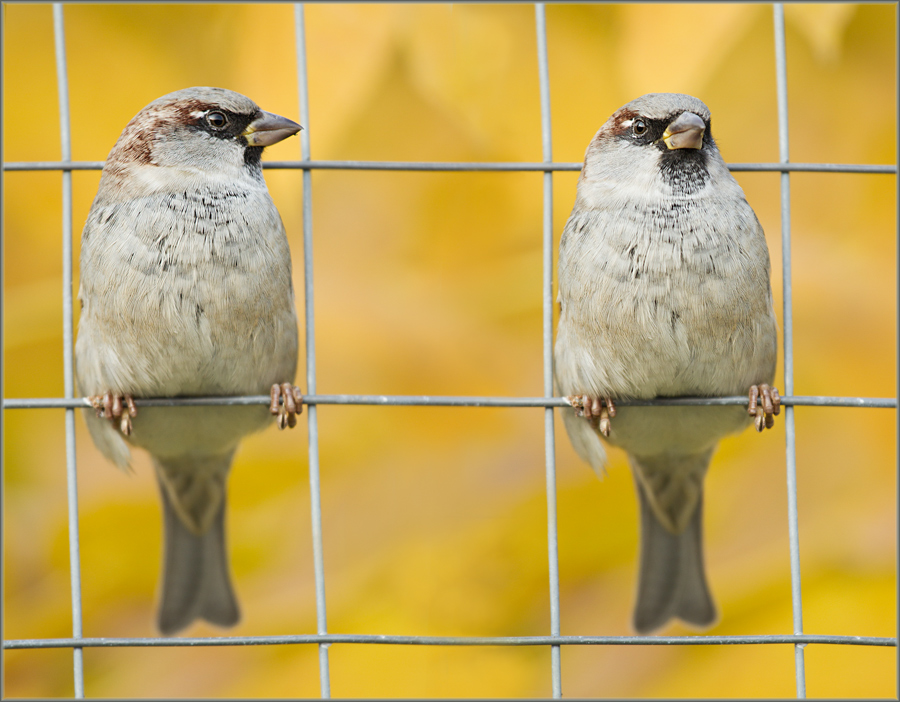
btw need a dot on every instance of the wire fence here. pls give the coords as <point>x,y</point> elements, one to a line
<point>322,638</point>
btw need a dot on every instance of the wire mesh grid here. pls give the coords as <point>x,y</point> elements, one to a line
<point>554,640</point>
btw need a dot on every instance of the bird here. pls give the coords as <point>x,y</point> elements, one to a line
<point>664,291</point>
<point>186,291</point>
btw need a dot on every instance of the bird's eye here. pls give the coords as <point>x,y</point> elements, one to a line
<point>217,120</point>
<point>639,127</point>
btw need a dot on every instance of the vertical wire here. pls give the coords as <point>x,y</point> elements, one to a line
<point>549,439</point>
<point>62,80</point>
<point>790,436</point>
<point>312,415</point>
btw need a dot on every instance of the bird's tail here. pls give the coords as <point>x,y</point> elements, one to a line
<point>672,580</point>
<point>196,580</point>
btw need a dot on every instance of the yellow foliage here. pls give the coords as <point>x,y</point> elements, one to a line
<point>430,283</point>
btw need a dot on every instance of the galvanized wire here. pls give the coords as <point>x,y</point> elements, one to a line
<point>65,131</point>
<point>788,325</point>
<point>452,401</point>
<point>540,20</point>
<point>315,492</point>
<point>438,166</point>
<point>323,639</point>
<point>395,640</point>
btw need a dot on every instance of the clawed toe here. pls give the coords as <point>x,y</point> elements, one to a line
<point>115,408</point>
<point>597,410</point>
<point>287,403</point>
<point>765,403</point>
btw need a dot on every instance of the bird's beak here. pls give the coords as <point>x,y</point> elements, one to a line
<point>685,132</point>
<point>268,129</point>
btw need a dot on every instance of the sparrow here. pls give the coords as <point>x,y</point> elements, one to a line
<point>664,291</point>
<point>186,291</point>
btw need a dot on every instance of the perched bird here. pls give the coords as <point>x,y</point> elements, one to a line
<point>186,291</point>
<point>664,291</point>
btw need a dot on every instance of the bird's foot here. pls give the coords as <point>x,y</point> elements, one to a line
<point>116,408</point>
<point>597,410</point>
<point>287,403</point>
<point>765,403</point>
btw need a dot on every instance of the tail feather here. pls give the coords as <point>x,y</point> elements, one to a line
<point>196,580</point>
<point>585,440</point>
<point>672,580</point>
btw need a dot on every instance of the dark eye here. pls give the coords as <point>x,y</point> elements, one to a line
<point>217,120</point>
<point>639,127</point>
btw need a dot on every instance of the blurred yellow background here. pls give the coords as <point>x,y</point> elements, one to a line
<point>430,283</point>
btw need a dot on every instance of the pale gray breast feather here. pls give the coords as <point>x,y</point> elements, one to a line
<point>174,262</point>
<point>687,237</point>
<point>178,232</point>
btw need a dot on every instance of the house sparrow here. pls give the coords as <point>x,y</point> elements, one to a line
<point>664,291</point>
<point>186,291</point>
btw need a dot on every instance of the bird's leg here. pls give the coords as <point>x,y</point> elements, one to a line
<point>292,405</point>
<point>765,403</point>
<point>111,407</point>
<point>597,410</point>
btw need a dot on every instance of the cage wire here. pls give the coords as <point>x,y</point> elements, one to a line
<point>554,640</point>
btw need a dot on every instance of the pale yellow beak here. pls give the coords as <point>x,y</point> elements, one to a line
<point>685,132</point>
<point>268,129</point>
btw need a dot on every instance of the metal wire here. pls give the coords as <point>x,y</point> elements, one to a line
<point>438,166</point>
<point>322,638</point>
<point>540,21</point>
<point>555,641</point>
<point>788,325</point>
<point>65,131</point>
<point>315,492</point>
<point>451,401</point>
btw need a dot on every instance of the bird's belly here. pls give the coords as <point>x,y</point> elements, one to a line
<point>653,431</point>
<point>180,339</point>
<point>678,333</point>
<point>200,431</point>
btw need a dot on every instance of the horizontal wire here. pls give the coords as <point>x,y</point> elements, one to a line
<point>466,166</point>
<point>320,639</point>
<point>453,640</point>
<point>452,401</point>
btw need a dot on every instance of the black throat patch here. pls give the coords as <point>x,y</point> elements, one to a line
<point>684,170</point>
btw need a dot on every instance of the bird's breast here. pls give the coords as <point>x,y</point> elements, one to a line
<point>202,300</point>
<point>664,301</point>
